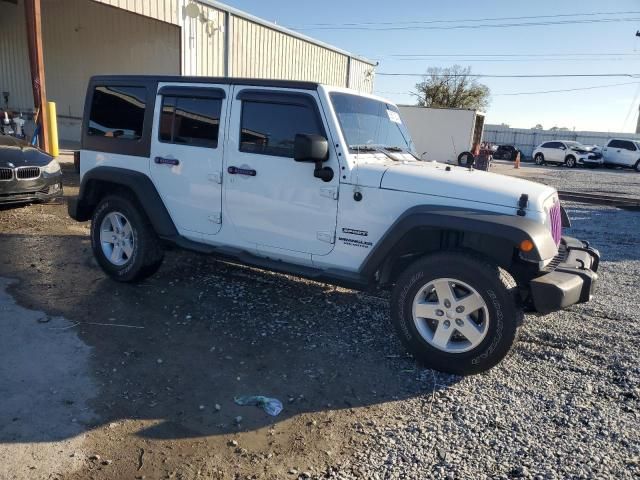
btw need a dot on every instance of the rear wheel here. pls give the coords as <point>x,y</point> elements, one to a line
<point>123,241</point>
<point>539,159</point>
<point>456,312</point>
<point>570,161</point>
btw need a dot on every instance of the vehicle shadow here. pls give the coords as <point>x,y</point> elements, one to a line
<point>177,348</point>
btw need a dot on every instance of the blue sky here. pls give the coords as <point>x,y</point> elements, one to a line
<point>602,109</point>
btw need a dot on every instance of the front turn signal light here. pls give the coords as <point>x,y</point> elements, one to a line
<point>526,246</point>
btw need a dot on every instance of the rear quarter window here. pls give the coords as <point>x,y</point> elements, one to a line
<point>117,112</point>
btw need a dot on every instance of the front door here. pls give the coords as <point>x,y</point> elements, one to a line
<point>186,154</point>
<point>272,201</point>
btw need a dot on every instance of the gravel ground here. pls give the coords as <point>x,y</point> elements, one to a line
<point>565,404</point>
<point>617,181</point>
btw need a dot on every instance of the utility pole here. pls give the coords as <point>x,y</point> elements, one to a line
<point>32,11</point>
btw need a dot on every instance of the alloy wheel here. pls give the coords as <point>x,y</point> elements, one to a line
<point>450,315</point>
<point>116,238</point>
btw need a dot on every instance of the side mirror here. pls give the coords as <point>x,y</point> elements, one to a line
<point>310,148</point>
<point>313,148</point>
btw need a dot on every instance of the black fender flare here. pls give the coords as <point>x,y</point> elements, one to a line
<point>81,208</point>
<point>513,228</point>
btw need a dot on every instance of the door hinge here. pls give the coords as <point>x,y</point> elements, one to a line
<point>328,237</point>
<point>215,177</point>
<point>329,192</point>
<point>215,218</point>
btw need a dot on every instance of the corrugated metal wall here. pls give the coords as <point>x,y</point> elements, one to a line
<point>164,10</point>
<point>88,37</point>
<point>203,41</point>
<point>527,139</point>
<point>361,76</point>
<point>261,52</point>
<point>83,38</point>
<point>15,76</point>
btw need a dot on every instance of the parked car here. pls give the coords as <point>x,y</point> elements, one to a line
<point>27,174</point>
<point>505,152</point>
<point>567,153</point>
<point>622,152</point>
<point>322,182</point>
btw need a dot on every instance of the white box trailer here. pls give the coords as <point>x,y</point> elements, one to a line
<point>442,134</point>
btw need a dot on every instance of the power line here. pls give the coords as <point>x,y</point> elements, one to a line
<point>425,22</point>
<point>565,89</point>
<point>478,75</point>
<point>516,60</point>
<point>480,26</point>
<point>537,92</point>
<point>452,55</point>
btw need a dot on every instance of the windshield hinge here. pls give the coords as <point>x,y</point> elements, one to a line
<point>329,192</point>
<point>328,237</point>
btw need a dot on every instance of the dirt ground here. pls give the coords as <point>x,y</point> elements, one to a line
<point>101,380</point>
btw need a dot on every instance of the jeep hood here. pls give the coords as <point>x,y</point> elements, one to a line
<point>436,179</point>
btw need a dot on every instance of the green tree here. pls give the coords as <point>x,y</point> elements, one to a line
<point>452,87</point>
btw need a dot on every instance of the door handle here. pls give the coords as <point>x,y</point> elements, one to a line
<point>242,171</point>
<point>166,161</point>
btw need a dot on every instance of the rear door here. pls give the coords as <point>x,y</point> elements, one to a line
<point>628,153</point>
<point>186,154</point>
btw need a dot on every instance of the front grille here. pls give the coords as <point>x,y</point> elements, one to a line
<point>555,222</point>
<point>6,174</point>
<point>595,156</point>
<point>562,255</point>
<point>26,173</point>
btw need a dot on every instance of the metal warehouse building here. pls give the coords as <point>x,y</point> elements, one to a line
<point>82,38</point>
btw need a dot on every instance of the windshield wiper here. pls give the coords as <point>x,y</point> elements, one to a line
<point>401,150</point>
<point>371,148</point>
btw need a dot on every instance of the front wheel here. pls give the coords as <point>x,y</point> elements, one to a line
<point>123,240</point>
<point>456,313</point>
<point>570,162</point>
<point>637,166</point>
<point>539,159</point>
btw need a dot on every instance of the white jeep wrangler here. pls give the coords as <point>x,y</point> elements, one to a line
<point>322,182</point>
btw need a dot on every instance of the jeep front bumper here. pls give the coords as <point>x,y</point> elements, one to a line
<point>571,281</point>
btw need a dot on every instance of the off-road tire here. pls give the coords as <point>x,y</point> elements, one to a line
<point>539,159</point>
<point>497,289</point>
<point>147,253</point>
<point>462,158</point>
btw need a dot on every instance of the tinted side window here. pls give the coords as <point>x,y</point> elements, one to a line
<point>190,121</point>
<point>627,145</point>
<point>271,128</point>
<point>547,145</point>
<point>117,112</point>
<point>615,144</point>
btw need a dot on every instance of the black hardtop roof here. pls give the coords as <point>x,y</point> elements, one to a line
<point>258,82</point>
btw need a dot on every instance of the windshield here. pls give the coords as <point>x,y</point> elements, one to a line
<point>367,122</point>
<point>575,145</point>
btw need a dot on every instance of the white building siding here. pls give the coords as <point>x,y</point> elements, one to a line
<point>261,52</point>
<point>168,11</point>
<point>203,41</point>
<point>361,76</point>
